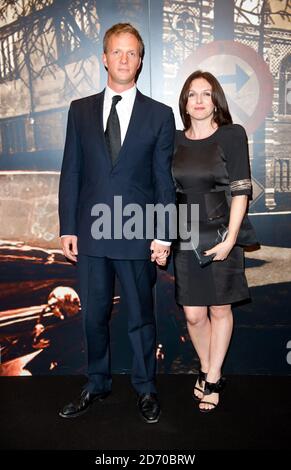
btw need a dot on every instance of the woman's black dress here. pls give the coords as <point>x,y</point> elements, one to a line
<point>219,162</point>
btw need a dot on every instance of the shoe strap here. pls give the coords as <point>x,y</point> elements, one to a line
<point>208,403</point>
<point>216,387</point>
<point>201,377</point>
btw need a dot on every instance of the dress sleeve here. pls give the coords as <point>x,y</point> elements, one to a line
<point>237,162</point>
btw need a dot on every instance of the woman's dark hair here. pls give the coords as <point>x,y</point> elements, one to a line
<point>221,114</point>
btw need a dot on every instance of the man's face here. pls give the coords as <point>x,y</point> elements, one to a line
<point>122,59</point>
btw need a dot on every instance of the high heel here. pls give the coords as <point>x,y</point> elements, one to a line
<point>212,388</point>
<point>201,378</point>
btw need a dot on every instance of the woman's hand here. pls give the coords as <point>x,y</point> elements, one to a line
<point>221,250</point>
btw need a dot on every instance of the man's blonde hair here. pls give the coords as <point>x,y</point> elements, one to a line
<point>123,28</point>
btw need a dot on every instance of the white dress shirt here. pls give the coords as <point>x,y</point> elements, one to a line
<point>124,109</point>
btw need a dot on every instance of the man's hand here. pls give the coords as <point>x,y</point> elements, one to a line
<point>69,246</point>
<point>160,253</point>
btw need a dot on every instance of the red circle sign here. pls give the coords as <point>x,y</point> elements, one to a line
<point>245,77</point>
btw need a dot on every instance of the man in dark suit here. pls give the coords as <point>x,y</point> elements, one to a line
<point>119,143</point>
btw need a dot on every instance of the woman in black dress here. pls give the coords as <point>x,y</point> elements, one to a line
<point>211,156</point>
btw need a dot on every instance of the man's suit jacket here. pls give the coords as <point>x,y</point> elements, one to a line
<point>141,174</point>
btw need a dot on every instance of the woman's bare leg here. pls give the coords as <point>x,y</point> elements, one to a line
<point>221,320</point>
<point>199,329</point>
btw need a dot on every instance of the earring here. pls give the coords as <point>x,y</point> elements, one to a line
<point>215,109</point>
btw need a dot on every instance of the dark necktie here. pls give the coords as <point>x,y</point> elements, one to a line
<point>112,133</point>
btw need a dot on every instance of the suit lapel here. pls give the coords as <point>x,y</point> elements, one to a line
<point>97,118</point>
<point>135,123</point>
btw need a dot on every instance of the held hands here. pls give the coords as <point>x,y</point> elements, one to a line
<point>221,250</point>
<point>159,252</point>
<point>69,246</point>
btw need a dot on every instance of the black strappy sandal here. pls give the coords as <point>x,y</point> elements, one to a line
<point>212,388</point>
<point>201,378</point>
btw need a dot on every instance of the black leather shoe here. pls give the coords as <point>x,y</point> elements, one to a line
<point>149,407</point>
<point>72,410</point>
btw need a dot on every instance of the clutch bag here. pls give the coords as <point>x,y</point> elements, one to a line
<point>213,226</point>
<point>204,260</point>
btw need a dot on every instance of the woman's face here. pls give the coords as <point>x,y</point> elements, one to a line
<point>199,104</point>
